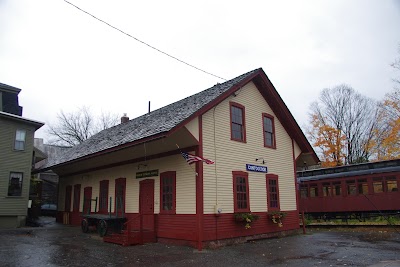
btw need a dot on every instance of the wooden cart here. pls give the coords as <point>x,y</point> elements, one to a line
<point>103,222</point>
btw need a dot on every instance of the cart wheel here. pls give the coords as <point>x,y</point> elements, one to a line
<point>102,228</point>
<point>85,225</point>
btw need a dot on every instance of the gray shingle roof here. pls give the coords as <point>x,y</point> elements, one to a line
<point>156,122</point>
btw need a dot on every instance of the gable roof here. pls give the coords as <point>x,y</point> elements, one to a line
<point>163,121</point>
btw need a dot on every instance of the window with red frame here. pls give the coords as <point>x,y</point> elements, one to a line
<point>238,132</point>
<point>68,195</point>
<point>103,200</point>
<point>168,192</point>
<point>272,192</point>
<point>269,130</point>
<point>241,191</point>
<point>77,197</point>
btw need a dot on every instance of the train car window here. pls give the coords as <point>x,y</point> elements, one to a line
<point>362,186</point>
<point>378,185</point>
<point>313,190</point>
<point>304,191</point>
<point>326,189</point>
<point>337,188</point>
<point>391,184</point>
<point>351,188</point>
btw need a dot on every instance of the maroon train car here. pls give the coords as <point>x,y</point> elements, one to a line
<point>360,190</point>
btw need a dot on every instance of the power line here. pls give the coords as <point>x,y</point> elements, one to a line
<point>140,41</point>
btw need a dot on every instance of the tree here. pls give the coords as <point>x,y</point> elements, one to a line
<point>75,127</point>
<point>342,126</point>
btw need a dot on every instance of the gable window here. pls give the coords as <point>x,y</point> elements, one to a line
<point>241,191</point>
<point>20,140</point>
<point>272,192</point>
<point>238,129</point>
<point>15,184</point>
<point>168,192</point>
<point>269,131</point>
<point>103,201</point>
<point>77,197</point>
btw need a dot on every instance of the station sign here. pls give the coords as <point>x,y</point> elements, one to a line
<point>145,174</point>
<point>255,168</point>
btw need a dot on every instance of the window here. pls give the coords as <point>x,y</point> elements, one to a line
<point>68,192</point>
<point>326,189</point>
<point>15,184</point>
<point>103,201</point>
<point>362,186</point>
<point>238,132</point>
<point>20,140</point>
<point>272,192</point>
<point>304,191</point>
<point>269,130</point>
<point>77,197</point>
<point>351,188</point>
<point>168,192</point>
<point>337,186</point>
<point>313,190</point>
<point>377,185</point>
<point>391,184</point>
<point>241,191</point>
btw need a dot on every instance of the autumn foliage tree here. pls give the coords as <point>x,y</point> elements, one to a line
<point>342,126</point>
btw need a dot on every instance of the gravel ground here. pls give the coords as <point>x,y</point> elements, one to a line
<point>59,245</point>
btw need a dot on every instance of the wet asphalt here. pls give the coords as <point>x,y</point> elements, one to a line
<point>59,245</point>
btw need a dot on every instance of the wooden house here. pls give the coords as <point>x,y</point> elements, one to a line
<point>242,125</point>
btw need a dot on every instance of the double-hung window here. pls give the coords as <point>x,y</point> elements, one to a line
<point>238,128</point>
<point>269,131</point>
<point>168,192</point>
<point>20,136</point>
<point>241,191</point>
<point>77,197</point>
<point>15,184</point>
<point>272,192</point>
<point>103,201</point>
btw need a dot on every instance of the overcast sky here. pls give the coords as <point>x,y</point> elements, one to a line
<point>63,59</point>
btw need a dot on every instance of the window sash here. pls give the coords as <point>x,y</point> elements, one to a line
<point>20,136</point>
<point>269,135</point>
<point>103,196</point>
<point>167,184</point>
<point>237,123</point>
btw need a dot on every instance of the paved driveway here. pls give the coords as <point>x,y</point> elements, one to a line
<point>58,245</point>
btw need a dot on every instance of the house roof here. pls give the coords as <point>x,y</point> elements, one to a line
<point>159,123</point>
<point>20,119</point>
<point>8,88</point>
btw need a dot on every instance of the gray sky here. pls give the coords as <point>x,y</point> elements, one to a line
<point>63,59</point>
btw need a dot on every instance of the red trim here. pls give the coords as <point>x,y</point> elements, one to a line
<point>245,175</point>
<point>270,177</point>
<point>199,189</point>
<point>164,175</point>
<point>242,108</point>
<point>77,197</point>
<point>104,185</point>
<point>273,130</point>
<point>68,196</point>
<point>295,178</point>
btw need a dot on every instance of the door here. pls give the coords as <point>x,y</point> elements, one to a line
<point>146,209</point>
<point>87,200</point>
<point>120,189</point>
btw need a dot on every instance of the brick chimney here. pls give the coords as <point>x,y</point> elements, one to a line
<point>124,118</point>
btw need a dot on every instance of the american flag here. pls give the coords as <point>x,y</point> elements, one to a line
<point>192,158</point>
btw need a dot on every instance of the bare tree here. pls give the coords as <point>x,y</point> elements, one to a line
<point>396,65</point>
<point>352,118</point>
<point>75,127</point>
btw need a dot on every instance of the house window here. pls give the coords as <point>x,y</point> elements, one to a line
<point>269,131</point>
<point>15,184</point>
<point>168,192</point>
<point>241,191</point>
<point>20,140</point>
<point>68,193</point>
<point>272,192</point>
<point>238,130</point>
<point>77,197</point>
<point>103,201</point>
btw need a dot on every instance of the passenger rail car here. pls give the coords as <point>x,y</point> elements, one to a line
<point>360,190</point>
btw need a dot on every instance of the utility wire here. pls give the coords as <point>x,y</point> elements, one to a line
<point>152,47</point>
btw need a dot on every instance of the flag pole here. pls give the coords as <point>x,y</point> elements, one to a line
<point>189,164</point>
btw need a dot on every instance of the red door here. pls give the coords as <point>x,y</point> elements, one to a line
<point>87,200</point>
<point>146,209</point>
<point>120,189</point>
